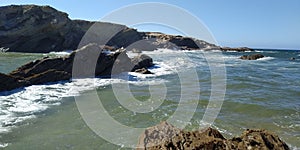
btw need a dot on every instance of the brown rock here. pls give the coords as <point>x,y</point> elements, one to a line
<point>165,137</point>
<point>257,139</point>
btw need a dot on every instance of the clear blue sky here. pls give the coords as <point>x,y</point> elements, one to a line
<point>255,23</point>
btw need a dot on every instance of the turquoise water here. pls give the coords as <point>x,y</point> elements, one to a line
<point>259,94</point>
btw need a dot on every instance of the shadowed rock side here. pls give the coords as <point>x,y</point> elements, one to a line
<point>57,69</point>
<point>167,137</point>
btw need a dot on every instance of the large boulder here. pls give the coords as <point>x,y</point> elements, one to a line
<point>252,56</point>
<point>62,68</point>
<point>165,137</point>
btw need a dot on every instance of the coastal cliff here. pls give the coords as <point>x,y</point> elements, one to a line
<point>43,29</point>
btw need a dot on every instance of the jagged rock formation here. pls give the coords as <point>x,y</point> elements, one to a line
<point>252,56</point>
<point>165,137</point>
<point>57,69</point>
<point>42,29</point>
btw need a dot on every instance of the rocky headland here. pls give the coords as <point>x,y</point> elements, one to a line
<point>43,29</point>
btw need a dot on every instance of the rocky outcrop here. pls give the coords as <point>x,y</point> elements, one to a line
<point>156,40</point>
<point>42,29</point>
<point>252,56</point>
<point>57,69</point>
<point>165,136</point>
<point>37,29</point>
<point>237,49</point>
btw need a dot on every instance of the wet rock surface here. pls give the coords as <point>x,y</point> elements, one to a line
<point>165,137</point>
<point>57,69</point>
<point>252,57</point>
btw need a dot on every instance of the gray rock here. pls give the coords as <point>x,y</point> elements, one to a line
<point>252,56</point>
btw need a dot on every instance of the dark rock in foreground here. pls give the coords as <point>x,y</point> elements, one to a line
<point>166,137</point>
<point>252,56</point>
<point>57,69</point>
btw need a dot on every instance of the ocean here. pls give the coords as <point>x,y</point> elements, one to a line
<point>263,93</point>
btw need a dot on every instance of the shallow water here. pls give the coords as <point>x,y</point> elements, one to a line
<point>259,94</point>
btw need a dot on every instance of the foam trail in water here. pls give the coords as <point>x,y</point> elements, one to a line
<point>266,58</point>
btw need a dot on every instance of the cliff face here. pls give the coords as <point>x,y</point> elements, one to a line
<point>42,29</point>
<point>31,28</point>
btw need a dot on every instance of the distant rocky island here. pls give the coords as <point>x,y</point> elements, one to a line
<point>43,29</point>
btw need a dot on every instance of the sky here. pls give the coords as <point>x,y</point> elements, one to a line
<point>273,24</point>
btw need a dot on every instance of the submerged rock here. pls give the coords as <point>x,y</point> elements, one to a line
<point>57,69</point>
<point>252,56</point>
<point>165,137</point>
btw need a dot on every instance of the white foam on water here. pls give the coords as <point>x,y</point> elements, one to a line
<point>63,53</point>
<point>3,145</point>
<point>23,104</point>
<point>266,58</point>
